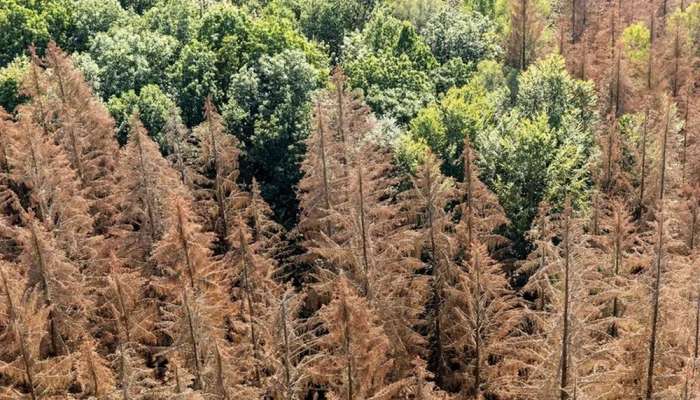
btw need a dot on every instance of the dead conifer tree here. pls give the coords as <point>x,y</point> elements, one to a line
<point>424,205</point>
<point>59,284</point>
<point>526,30</point>
<point>253,293</point>
<point>85,131</point>
<point>183,256</point>
<point>145,183</point>
<point>43,182</point>
<point>23,320</point>
<point>562,330</point>
<point>352,361</point>
<point>480,213</point>
<point>483,326</point>
<point>218,160</point>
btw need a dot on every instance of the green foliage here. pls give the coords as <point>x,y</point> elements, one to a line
<point>538,149</point>
<point>329,21</point>
<point>468,36</point>
<point>89,68</point>
<point>10,80</point>
<point>418,12</point>
<point>268,111</point>
<point>93,16</point>
<point>20,26</point>
<point>467,110</point>
<point>130,58</point>
<point>138,6</point>
<point>221,21</point>
<point>392,64</point>
<point>176,18</point>
<point>193,78</point>
<point>546,87</point>
<point>636,42</point>
<point>240,40</point>
<point>154,108</point>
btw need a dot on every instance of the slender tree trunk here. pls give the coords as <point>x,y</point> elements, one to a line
<point>564,395</point>
<point>145,185</point>
<point>184,243</point>
<point>287,361</point>
<point>251,311</point>
<point>219,189</point>
<point>198,381</point>
<point>347,349</point>
<point>655,313</point>
<point>324,167</point>
<point>643,162</point>
<point>477,328</point>
<point>523,45</point>
<point>363,231</point>
<point>664,146</point>
<point>27,361</point>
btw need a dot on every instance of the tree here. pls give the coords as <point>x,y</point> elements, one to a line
<point>218,169</point>
<point>485,322</point>
<point>86,133</point>
<point>152,105</point>
<point>253,291</point>
<point>25,328</point>
<point>267,111</point>
<point>11,76</point>
<point>45,185</point>
<point>328,22</point>
<point>91,17</point>
<point>425,206</point>
<point>353,361</point>
<point>145,183</point>
<point>468,36</point>
<point>193,78</point>
<point>130,58</point>
<point>20,26</point>
<point>526,31</point>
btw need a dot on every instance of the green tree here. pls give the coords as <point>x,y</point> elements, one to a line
<point>193,78</point>
<point>468,36</point>
<point>154,109</point>
<point>329,21</point>
<point>176,18</point>
<point>138,6</point>
<point>10,81</point>
<point>130,58</point>
<point>20,27</point>
<point>268,110</point>
<point>467,110</point>
<point>93,16</point>
<point>392,64</point>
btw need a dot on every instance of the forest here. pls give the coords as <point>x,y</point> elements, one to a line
<point>350,199</point>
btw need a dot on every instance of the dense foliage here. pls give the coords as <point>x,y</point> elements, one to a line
<point>349,199</point>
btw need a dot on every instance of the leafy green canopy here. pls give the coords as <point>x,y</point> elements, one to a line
<point>537,149</point>
<point>402,69</point>
<point>268,110</point>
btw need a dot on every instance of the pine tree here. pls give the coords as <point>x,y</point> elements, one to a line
<point>85,132</point>
<point>23,321</point>
<point>484,325</point>
<point>218,160</point>
<point>43,182</point>
<point>526,30</point>
<point>59,284</point>
<point>253,291</point>
<point>145,183</point>
<point>352,361</point>
<point>183,256</point>
<point>480,213</point>
<point>424,206</point>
